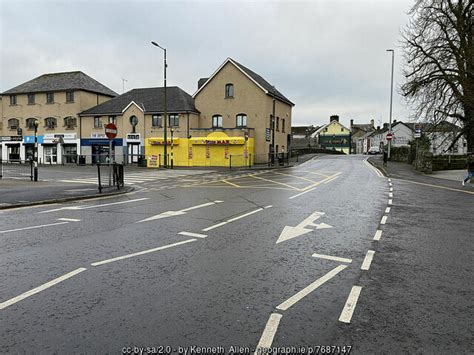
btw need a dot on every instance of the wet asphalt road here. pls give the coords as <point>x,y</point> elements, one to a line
<point>220,285</point>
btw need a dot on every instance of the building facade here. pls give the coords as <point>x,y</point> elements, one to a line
<point>54,102</point>
<point>334,136</point>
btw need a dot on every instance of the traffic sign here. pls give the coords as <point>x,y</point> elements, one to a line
<point>389,136</point>
<point>111,131</point>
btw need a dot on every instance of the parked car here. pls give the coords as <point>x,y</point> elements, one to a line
<point>374,150</point>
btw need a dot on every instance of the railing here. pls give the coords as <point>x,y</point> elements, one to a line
<point>113,172</point>
<point>17,170</point>
<point>258,160</point>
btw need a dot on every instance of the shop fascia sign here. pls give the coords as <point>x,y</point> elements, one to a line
<point>11,138</point>
<point>219,141</point>
<point>160,141</point>
<point>54,138</point>
<point>133,137</point>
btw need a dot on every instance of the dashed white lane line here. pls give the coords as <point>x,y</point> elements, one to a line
<point>390,194</point>
<point>390,202</point>
<point>389,180</point>
<point>331,178</point>
<point>387,210</point>
<point>384,220</point>
<point>69,219</point>
<point>269,206</point>
<point>310,288</point>
<point>349,307</point>
<point>141,252</point>
<point>195,235</point>
<point>378,235</point>
<point>33,227</point>
<point>367,260</point>
<point>333,258</point>
<point>234,219</point>
<point>40,288</point>
<point>94,206</point>
<point>390,184</point>
<point>391,189</point>
<point>214,226</point>
<point>269,333</point>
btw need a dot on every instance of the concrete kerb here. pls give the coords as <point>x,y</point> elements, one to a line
<point>125,190</point>
<point>377,166</point>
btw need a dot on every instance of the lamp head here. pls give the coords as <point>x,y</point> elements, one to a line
<point>36,123</point>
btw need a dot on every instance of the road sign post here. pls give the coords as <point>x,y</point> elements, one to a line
<point>111,133</point>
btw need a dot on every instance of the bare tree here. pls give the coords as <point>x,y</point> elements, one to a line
<point>439,50</point>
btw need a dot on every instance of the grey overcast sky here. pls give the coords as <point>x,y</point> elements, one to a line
<point>327,56</point>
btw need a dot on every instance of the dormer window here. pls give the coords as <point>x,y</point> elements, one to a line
<point>229,91</point>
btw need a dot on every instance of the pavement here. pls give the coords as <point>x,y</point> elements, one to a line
<point>326,253</point>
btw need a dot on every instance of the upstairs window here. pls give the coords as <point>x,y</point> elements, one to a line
<point>70,122</point>
<point>50,123</point>
<point>156,121</point>
<point>12,100</point>
<point>113,119</point>
<point>31,99</point>
<point>278,124</point>
<point>216,121</point>
<point>229,91</point>
<point>97,122</point>
<point>69,96</point>
<point>50,97</point>
<point>241,120</point>
<point>283,125</point>
<point>13,123</point>
<point>30,123</point>
<point>174,120</point>
<point>271,122</point>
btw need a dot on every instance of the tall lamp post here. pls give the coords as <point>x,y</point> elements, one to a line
<point>35,157</point>
<point>391,99</point>
<point>165,109</point>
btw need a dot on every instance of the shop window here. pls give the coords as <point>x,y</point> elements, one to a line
<point>229,91</point>
<point>13,123</point>
<point>241,120</point>
<point>97,122</point>
<point>12,100</point>
<point>216,121</point>
<point>30,123</point>
<point>156,121</point>
<point>69,96</point>
<point>174,120</point>
<point>31,99</point>
<point>70,122</point>
<point>50,97</point>
<point>50,123</point>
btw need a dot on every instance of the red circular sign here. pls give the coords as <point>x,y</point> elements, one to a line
<point>389,136</point>
<point>111,131</point>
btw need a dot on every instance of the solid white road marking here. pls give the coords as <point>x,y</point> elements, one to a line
<point>333,258</point>
<point>384,220</point>
<point>376,170</point>
<point>214,226</point>
<point>196,235</point>
<point>390,202</point>
<point>269,333</point>
<point>141,253</point>
<point>378,234</point>
<point>269,206</point>
<point>69,219</point>
<point>350,305</point>
<point>40,288</point>
<point>176,213</point>
<point>387,210</point>
<point>367,260</point>
<point>310,288</point>
<point>94,206</point>
<point>233,219</point>
<point>314,186</point>
<point>33,227</point>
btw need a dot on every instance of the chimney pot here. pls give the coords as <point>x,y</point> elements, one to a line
<point>334,118</point>
<point>372,122</point>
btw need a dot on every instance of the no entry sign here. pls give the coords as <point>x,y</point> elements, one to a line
<point>389,136</point>
<point>111,131</point>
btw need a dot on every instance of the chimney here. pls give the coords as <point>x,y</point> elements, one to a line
<point>352,122</point>
<point>201,82</point>
<point>378,128</point>
<point>334,118</point>
<point>372,122</point>
<point>385,126</point>
<point>394,121</point>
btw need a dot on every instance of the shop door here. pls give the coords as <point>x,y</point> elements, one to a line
<point>29,151</point>
<point>70,153</point>
<point>100,154</point>
<point>14,152</point>
<point>50,154</point>
<point>133,152</point>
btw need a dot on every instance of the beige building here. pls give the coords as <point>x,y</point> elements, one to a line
<point>234,98</point>
<point>54,100</point>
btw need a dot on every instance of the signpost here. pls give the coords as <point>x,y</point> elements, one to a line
<point>417,130</point>
<point>389,136</point>
<point>111,133</point>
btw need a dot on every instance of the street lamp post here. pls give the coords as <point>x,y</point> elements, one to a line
<point>165,126</point>
<point>391,99</point>
<point>35,157</point>
<point>172,162</point>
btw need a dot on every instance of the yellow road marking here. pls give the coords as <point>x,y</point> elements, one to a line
<point>230,183</point>
<point>298,177</point>
<point>320,182</point>
<point>242,187</point>
<point>312,172</point>
<point>275,182</point>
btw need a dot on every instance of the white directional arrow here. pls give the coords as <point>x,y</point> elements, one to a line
<point>293,232</point>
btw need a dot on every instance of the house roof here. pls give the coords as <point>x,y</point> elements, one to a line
<point>320,129</point>
<point>75,80</point>
<point>256,78</point>
<point>363,126</point>
<point>149,100</point>
<point>303,130</point>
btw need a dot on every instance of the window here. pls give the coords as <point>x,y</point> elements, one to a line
<point>216,121</point>
<point>229,91</point>
<point>30,123</point>
<point>342,129</point>
<point>31,99</point>
<point>241,120</point>
<point>70,122</point>
<point>113,119</point>
<point>13,123</point>
<point>278,124</point>
<point>156,120</point>
<point>69,96</point>
<point>49,97</point>
<point>271,122</point>
<point>12,99</point>
<point>174,120</point>
<point>97,122</point>
<point>50,122</point>
<point>283,125</point>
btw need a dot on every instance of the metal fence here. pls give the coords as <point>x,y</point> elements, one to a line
<point>259,160</point>
<point>110,175</point>
<point>19,170</point>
